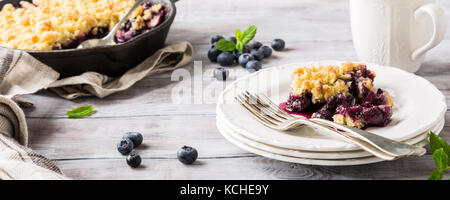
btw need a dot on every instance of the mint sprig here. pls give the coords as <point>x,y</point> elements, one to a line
<point>225,45</point>
<point>242,39</point>
<point>441,156</point>
<point>80,112</point>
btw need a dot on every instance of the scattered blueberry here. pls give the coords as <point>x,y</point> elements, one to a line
<point>214,45</point>
<point>134,160</point>
<point>253,66</point>
<point>213,53</point>
<point>233,39</point>
<point>187,155</point>
<point>267,51</point>
<point>221,73</point>
<point>216,38</point>
<point>278,44</point>
<point>225,59</point>
<point>255,44</point>
<point>135,137</point>
<point>246,49</point>
<point>125,146</point>
<point>236,55</point>
<point>258,54</point>
<point>245,58</point>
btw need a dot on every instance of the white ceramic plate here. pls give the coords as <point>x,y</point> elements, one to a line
<point>311,154</point>
<point>300,160</point>
<point>418,106</point>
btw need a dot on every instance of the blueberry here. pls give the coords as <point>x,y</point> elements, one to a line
<point>212,54</point>
<point>187,155</point>
<point>214,45</point>
<point>233,39</point>
<point>125,146</point>
<point>221,73</point>
<point>253,66</point>
<point>267,51</point>
<point>134,160</point>
<point>216,38</point>
<point>278,44</point>
<point>236,55</point>
<point>246,49</point>
<point>225,59</point>
<point>255,44</point>
<point>135,137</point>
<point>245,58</point>
<point>258,54</point>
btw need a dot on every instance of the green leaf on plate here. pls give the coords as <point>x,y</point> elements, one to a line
<point>80,112</point>
<point>436,175</point>
<point>225,45</point>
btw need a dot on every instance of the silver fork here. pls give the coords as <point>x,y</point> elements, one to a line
<point>269,114</point>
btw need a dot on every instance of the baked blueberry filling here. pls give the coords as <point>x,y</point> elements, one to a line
<point>66,24</point>
<point>356,104</point>
<point>151,17</point>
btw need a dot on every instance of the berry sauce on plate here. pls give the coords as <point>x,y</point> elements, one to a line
<point>304,114</point>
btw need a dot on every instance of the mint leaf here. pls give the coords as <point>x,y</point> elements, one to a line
<point>238,35</point>
<point>245,37</point>
<point>239,46</point>
<point>436,143</point>
<point>441,159</point>
<point>248,34</point>
<point>80,112</point>
<point>436,175</point>
<point>225,45</point>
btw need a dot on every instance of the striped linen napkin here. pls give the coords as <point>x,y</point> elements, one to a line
<point>21,74</point>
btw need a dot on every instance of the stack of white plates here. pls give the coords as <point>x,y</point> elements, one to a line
<point>419,107</point>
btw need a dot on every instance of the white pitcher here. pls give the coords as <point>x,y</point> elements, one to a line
<point>396,32</point>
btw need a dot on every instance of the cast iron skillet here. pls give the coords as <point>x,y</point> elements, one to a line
<point>110,60</point>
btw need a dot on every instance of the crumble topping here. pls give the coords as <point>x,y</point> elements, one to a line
<point>324,82</point>
<point>42,24</point>
<point>344,94</point>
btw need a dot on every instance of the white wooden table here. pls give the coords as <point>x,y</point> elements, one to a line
<point>312,29</point>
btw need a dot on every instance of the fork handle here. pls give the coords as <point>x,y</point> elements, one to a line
<point>362,144</point>
<point>385,145</point>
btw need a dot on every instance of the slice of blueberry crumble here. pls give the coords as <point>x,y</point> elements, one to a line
<point>343,94</point>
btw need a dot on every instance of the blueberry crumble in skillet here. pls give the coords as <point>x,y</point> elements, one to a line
<point>63,24</point>
<point>343,94</point>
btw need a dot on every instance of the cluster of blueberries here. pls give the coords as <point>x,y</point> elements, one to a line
<point>186,155</point>
<point>250,57</point>
<point>126,145</point>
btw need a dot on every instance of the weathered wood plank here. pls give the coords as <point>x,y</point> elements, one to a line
<point>305,20</point>
<point>152,96</point>
<point>313,30</point>
<point>244,168</point>
<point>164,135</point>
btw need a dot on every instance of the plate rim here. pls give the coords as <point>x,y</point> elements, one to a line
<point>308,161</point>
<point>327,155</point>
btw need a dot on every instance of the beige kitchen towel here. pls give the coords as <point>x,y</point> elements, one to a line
<point>26,75</point>
<point>21,74</point>
<point>17,161</point>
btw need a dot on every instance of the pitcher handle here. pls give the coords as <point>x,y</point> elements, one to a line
<point>439,25</point>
